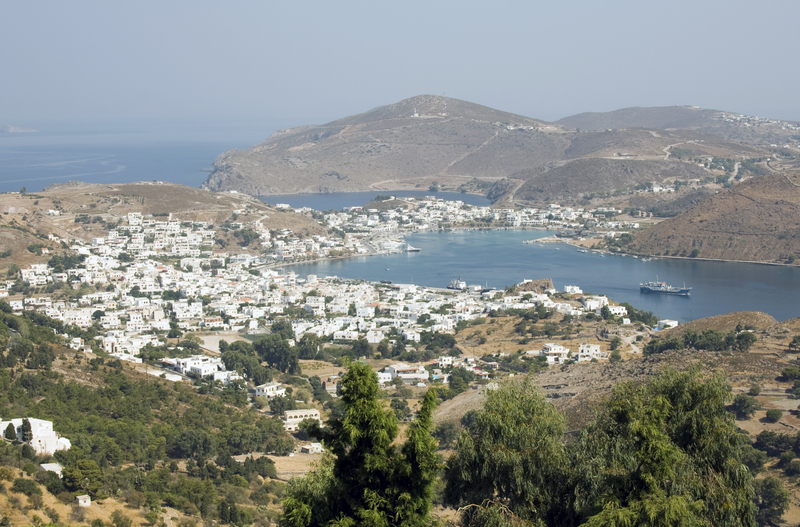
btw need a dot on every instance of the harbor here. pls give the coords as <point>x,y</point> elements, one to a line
<point>499,258</point>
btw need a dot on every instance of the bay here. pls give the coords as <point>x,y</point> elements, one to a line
<point>499,259</point>
<point>339,200</point>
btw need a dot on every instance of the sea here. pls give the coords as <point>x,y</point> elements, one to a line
<point>114,153</point>
<point>183,154</point>
<point>499,258</point>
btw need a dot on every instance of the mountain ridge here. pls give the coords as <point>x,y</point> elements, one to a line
<point>431,140</point>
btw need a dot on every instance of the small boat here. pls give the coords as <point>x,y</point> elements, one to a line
<point>582,251</point>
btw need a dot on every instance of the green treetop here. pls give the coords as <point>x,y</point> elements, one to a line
<point>365,479</point>
<point>665,453</point>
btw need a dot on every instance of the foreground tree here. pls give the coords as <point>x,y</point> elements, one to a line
<point>662,454</point>
<point>366,480</point>
<point>665,453</point>
<point>511,454</point>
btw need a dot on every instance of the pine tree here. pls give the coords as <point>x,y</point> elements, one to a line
<point>365,480</point>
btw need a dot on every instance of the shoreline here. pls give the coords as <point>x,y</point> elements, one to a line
<point>567,241</point>
<point>665,257</point>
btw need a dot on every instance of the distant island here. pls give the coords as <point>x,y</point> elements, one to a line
<point>10,129</point>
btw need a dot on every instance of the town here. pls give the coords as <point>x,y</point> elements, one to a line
<point>149,282</point>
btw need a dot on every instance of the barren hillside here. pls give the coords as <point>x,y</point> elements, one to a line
<point>758,220</point>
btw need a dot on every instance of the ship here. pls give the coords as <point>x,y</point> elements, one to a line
<point>663,288</point>
<point>458,284</point>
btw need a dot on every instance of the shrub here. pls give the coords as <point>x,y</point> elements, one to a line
<point>786,457</point>
<point>745,406</point>
<point>26,486</point>
<point>773,416</point>
<point>793,468</point>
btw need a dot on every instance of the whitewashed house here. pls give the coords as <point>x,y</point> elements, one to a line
<point>270,390</point>
<point>43,439</point>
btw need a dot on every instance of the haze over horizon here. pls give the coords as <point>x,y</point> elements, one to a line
<point>294,64</point>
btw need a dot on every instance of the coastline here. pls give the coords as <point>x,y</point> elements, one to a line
<point>566,241</point>
<point>665,257</point>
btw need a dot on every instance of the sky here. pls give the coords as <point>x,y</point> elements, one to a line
<point>310,62</point>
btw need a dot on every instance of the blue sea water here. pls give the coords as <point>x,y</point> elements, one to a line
<point>119,154</point>
<point>499,259</point>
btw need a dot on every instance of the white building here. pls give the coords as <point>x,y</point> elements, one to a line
<point>44,440</point>
<point>409,373</point>
<point>555,353</point>
<point>665,324</point>
<point>587,352</point>
<point>293,418</point>
<point>270,390</point>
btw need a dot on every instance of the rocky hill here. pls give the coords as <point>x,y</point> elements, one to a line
<point>592,174</point>
<point>432,140</point>
<point>758,220</point>
<point>418,140</point>
<point>727,125</point>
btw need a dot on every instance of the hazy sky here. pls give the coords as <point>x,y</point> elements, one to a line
<point>303,62</point>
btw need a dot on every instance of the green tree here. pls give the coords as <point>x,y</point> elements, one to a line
<point>309,346</point>
<point>511,453</point>
<point>774,415</point>
<point>84,476</point>
<point>361,348</point>
<point>446,433</point>
<point>665,453</point>
<point>367,481</point>
<point>661,454</point>
<point>615,343</point>
<point>27,432</point>
<point>118,519</point>
<point>793,345</point>
<point>744,406</point>
<point>400,408</point>
<point>745,340</point>
<point>10,432</point>
<point>276,352</point>
<point>753,458</point>
<point>772,500</point>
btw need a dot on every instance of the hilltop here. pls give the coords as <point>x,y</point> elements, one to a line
<point>434,141</point>
<point>415,141</point>
<point>753,221</point>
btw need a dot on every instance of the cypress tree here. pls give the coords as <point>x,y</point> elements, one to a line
<point>10,432</point>
<point>27,431</point>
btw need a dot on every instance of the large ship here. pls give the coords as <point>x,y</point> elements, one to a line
<point>662,287</point>
<point>457,284</point>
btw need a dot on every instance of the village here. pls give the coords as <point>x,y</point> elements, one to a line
<point>152,280</point>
